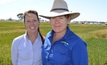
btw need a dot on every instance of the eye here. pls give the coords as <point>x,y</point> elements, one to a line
<point>34,20</point>
<point>27,21</point>
<point>61,17</point>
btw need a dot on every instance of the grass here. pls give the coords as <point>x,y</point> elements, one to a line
<point>94,35</point>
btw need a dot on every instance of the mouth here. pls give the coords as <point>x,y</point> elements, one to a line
<point>32,27</point>
<point>56,26</point>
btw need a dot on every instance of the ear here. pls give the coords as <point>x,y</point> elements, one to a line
<point>69,20</point>
<point>38,22</point>
<point>24,24</point>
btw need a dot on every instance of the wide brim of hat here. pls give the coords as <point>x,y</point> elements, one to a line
<point>55,14</point>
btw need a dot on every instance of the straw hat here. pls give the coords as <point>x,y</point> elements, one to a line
<point>60,8</point>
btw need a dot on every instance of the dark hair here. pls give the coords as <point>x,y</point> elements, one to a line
<point>36,13</point>
<point>67,16</point>
<point>31,11</point>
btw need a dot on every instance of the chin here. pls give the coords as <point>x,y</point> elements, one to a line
<point>56,31</point>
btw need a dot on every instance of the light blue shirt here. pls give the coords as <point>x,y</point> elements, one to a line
<point>23,52</point>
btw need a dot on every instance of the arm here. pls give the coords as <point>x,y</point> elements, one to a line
<point>14,52</point>
<point>79,54</point>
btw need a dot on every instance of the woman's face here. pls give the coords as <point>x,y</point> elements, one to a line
<point>59,24</point>
<point>31,23</point>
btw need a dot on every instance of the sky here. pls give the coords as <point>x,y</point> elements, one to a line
<point>90,10</point>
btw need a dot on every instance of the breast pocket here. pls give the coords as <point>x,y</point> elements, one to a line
<point>61,54</point>
<point>60,49</point>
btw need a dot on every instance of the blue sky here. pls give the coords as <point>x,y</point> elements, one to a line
<point>91,10</point>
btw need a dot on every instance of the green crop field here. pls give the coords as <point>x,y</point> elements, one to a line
<point>94,35</point>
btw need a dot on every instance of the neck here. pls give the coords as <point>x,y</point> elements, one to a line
<point>58,36</point>
<point>32,37</point>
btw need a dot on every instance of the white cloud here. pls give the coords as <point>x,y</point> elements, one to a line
<point>5,1</point>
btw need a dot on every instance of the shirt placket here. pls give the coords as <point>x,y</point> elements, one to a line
<point>31,46</point>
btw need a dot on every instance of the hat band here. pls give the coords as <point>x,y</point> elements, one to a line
<point>59,9</point>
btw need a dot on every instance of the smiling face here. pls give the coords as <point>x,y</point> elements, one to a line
<point>31,23</point>
<point>59,24</point>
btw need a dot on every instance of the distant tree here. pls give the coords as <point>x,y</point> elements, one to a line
<point>10,19</point>
<point>20,16</point>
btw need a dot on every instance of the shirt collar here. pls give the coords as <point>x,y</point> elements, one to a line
<point>68,33</point>
<point>26,37</point>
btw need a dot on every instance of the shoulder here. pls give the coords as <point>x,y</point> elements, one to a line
<point>48,34</point>
<point>75,41</point>
<point>75,38</point>
<point>17,39</point>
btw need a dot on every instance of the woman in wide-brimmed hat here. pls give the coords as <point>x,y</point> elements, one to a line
<point>62,46</point>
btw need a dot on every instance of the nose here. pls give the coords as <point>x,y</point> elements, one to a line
<point>31,22</point>
<point>56,20</point>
